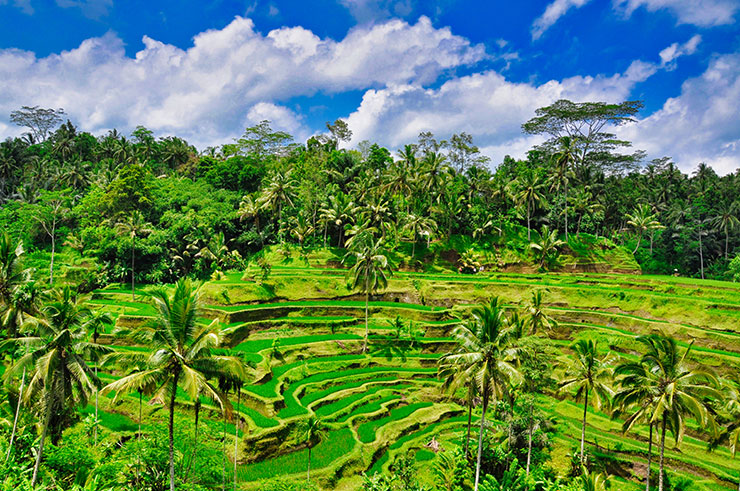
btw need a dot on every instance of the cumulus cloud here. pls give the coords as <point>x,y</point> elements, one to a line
<point>699,125</point>
<point>672,52</point>
<point>204,92</point>
<point>703,13</point>
<point>553,12</point>
<point>485,105</point>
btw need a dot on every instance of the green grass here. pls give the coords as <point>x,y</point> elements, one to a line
<point>335,446</point>
<point>366,431</point>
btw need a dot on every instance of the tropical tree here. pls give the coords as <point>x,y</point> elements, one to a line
<point>730,414</point>
<point>135,225</point>
<point>311,432</point>
<point>563,161</point>
<point>642,220</point>
<point>727,220</point>
<point>538,318</point>
<point>588,375</point>
<point>681,390</point>
<point>280,191</point>
<point>182,354</point>
<point>12,276</point>
<point>57,347</point>
<point>484,354</point>
<point>637,397</point>
<point>547,246</point>
<point>528,192</point>
<point>419,226</point>
<point>452,379</point>
<point>370,271</point>
<point>94,326</point>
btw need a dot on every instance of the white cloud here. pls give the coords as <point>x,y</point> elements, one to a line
<point>485,105</point>
<point>669,54</point>
<point>281,118</point>
<point>553,12</point>
<point>699,125</point>
<point>204,92</point>
<point>704,13</point>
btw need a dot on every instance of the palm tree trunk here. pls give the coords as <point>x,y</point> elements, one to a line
<point>367,307</point>
<point>195,440</point>
<point>566,208</point>
<point>133,254</point>
<point>95,431</point>
<point>138,439</point>
<point>17,412</point>
<point>470,417</point>
<point>662,449</point>
<point>583,427</point>
<point>171,429</point>
<point>480,442</point>
<point>223,457</point>
<point>47,418</point>
<point>650,458</point>
<point>727,241</point>
<point>639,239</point>
<point>529,231</point>
<point>236,431</point>
<point>51,264</point>
<point>529,447</point>
<point>701,255</point>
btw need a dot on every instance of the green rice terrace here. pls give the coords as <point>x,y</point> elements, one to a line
<point>301,331</point>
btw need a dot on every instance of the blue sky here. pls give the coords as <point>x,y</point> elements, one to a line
<point>205,70</point>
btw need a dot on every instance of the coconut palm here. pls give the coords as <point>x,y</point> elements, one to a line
<point>642,220</point>
<point>637,397</point>
<point>727,220</point>
<point>370,271</point>
<point>563,160</point>
<point>135,225</point>
<point>528,192</point>
<point>681,390</point>
<point>453,379</point>
<point>311,432</point>
<point>182,355</point>
<point>547,246</point>
<point>485,355</point>
<point>56,351</point>
<point>12,273</point>
<point>538,318</point>
<point>588,374</point>
<point>730,412</point>
<point>94,326</point>
<point>280,191</point>
<point>419,226</point>
<point>249,209</point>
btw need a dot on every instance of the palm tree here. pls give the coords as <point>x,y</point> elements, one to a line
<point>727,220</point>
<point>249,209</point>
<point>312,430</point>
<point>537,316</point>
<point>453,379</point>
<point>60,377</point>
<point>642,220</point>
<point>419,226</point>
<point>485,355</point>
<point>529,193</point>
<point>547,245</point>
<point>583,204</point>
<point>182,355</point>
<point>369,273</point>
<point>134,226</point>
<point>341,211</point>
<point>730,412</point>
<point>637,395</point>
<point>94,325</point>
<point>280,191</point>
<point>588,375</point>
<point>563,160</point>
<point>681,390</point>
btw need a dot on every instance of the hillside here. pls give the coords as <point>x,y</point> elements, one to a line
<point>302,330</point>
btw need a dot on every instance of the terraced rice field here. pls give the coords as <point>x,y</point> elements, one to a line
<point>304,341</point>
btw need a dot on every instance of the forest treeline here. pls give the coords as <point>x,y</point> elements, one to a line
<point>164,209</point>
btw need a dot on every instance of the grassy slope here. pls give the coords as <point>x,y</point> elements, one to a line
<point>319,369</point>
